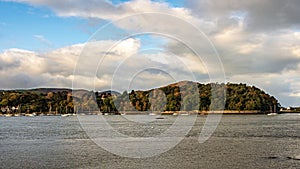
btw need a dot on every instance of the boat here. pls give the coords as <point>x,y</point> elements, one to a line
<point>64,115</point>
<point>30,115</point>
<point>272,114</point>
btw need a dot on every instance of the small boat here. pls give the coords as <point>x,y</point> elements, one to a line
<point>64,115</point>
<point>272,114</point>
<point>30,115</point>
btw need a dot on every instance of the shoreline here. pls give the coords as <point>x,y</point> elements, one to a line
<point>168,113</point>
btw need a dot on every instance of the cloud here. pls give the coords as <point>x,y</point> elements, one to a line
<point>259,15</point>
<point>21,61</point>
<point>43,40</point>
<point>102,9</point>
<point>98,65</point>
<point>27,69</point>
<point>245,52</point>
<point>126,64</point>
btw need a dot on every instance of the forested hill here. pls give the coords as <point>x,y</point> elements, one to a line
<point>187,95</point>
<point>183,95</point>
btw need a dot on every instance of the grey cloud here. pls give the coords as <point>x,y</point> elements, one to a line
<point>22,80</point>
<point>259,15</point>
<point>6,65</point>
<point>257,64</point>
<point>274,14</point>
<point>177,48</point>
<point>225,23</point>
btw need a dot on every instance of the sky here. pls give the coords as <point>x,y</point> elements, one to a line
<point>142,44</point>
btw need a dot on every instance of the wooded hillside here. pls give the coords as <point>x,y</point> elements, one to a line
<point>184,95</point>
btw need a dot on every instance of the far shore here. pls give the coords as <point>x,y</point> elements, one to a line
<point>195,112</point>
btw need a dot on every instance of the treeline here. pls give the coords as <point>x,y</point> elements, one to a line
<point>184,96</point>
<point>33,101</point>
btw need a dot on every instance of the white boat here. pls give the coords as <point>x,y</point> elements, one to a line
<point>272,114</point>
<point>29,115</point>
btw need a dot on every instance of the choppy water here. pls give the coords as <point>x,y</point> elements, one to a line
<point>240,141</point>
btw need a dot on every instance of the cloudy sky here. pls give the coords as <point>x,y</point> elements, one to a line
<point>101,44</point>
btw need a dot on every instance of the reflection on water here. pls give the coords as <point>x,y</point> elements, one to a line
<point>240,141</point>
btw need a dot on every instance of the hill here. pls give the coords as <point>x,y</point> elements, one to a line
<point>184,95</point>
<point>188,96</point>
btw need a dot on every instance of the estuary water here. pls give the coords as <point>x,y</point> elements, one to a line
<point>240,141</point>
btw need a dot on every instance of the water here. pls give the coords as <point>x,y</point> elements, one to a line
<point>240,141</point>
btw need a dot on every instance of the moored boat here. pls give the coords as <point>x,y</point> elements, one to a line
<point>30,115</point>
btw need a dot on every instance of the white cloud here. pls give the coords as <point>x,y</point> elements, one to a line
<point>21,61</point>
<point>105,9</point>
<point>27,69</point>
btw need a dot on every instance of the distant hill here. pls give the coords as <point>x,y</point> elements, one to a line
<point>184,95</point>
<point>45,90</point>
